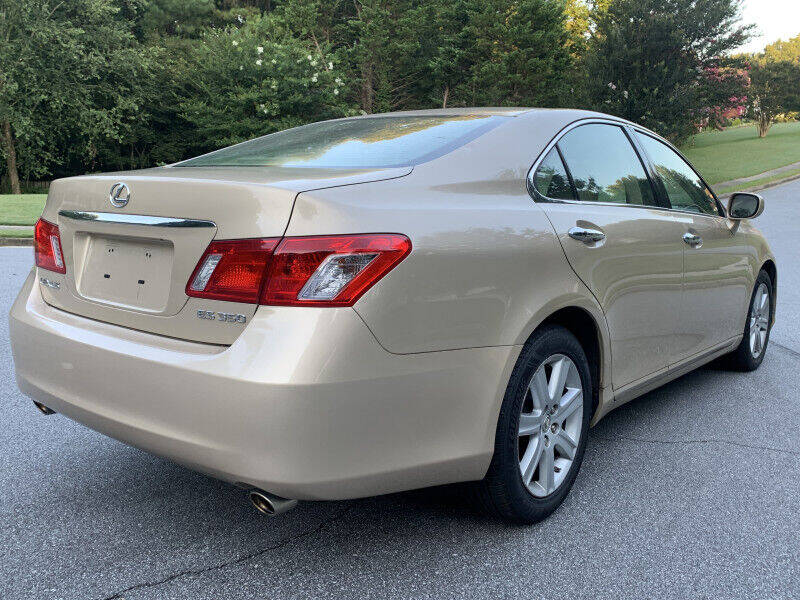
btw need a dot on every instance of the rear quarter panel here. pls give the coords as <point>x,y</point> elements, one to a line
<point>483,265</point>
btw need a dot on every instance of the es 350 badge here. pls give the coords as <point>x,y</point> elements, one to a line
<point>211,315</point>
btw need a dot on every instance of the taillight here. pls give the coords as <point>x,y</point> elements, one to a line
<point>333,270</point>
<point>47,250</point>
<point>232,270</point>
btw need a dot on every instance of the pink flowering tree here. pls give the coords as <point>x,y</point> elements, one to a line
<point>724,86</point>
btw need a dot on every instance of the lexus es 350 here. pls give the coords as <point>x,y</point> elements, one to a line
<point>375,304</point>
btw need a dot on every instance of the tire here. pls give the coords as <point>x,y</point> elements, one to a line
<point>503,493</point>
<point>745,358</point>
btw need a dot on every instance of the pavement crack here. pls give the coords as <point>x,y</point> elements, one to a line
<point>241,559</point>
<point>707,441</point>
<point>791,351</point>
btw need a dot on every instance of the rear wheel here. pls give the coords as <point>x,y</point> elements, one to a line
<point>750,352</point>
<point>541,431</point>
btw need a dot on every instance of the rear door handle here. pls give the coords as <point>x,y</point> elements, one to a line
<point>587,236</point>
<point>694,240</point>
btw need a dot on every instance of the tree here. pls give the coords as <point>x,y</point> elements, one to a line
<point>257,78</point>
<point>723,89</point>
<point>646,58</point>
<point>780,51</point>
<point>521,52</point>
<point>775,90</point>
<point>68,81</point>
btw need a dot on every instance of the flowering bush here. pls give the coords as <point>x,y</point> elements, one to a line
<point>256,78</point>
<point>724,90</point>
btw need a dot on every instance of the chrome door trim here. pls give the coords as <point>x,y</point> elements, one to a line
<point>537,196</point>
<point>121,219</point>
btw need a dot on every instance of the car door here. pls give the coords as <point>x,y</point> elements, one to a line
<point>623,245</point>
<point>717,273</point>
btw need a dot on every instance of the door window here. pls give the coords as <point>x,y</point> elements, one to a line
<point>604,166</point>
<point>551,179</point>
<point>685,189</point>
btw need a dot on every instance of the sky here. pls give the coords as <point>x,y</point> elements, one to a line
<point>774,19</point>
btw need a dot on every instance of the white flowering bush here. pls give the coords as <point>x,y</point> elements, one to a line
<point>257,78</point>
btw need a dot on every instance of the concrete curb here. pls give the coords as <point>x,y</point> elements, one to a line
<point>15,241</point>
<point>777,171</point>
<point>764,186</point>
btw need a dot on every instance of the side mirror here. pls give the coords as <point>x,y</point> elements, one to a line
<point>743,205</point>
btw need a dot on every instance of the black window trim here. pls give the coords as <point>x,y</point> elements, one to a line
<point>723,213</point>
<point>646,166</point>
<point>539,196</point>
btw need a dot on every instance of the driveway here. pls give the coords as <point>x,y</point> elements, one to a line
<point>692,491</point>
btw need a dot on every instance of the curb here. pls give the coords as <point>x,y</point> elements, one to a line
<point>15,241</point>
<point>764,186</point>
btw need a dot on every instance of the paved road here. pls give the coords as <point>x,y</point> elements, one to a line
<point>693,491</point>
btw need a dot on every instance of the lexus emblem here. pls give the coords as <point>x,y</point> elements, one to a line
<point>120,195</point>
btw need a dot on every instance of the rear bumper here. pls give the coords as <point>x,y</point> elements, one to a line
<point>305,404</point>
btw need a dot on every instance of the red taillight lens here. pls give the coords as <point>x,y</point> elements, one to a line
<point>331,270</point>
<point>47,249</point>
<point>232,270</point>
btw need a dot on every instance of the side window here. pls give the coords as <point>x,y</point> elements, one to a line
<point>604,166</point>
<point>685,189</point>
<point>551,180</point>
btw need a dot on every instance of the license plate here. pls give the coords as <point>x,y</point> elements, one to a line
<point>127,272</point>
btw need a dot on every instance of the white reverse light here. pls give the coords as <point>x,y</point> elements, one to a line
<point>204,273</point>
<point>335,272</point>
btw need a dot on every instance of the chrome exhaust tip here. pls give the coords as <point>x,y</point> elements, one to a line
<point>43,408</point>
<point>270,504</point>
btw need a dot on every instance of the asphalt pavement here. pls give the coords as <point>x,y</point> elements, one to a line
<point>692,491</point>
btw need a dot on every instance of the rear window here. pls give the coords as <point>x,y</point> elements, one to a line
<point>369,142</point>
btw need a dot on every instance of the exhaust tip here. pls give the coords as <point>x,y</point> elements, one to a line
<point>270,504</point>
<point>44,410</point>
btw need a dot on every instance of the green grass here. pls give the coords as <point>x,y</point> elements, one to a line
<point>739,152</point>
<point>16,233</point>
<point>22,209</point>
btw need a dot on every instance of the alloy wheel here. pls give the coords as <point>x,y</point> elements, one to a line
<point>550,425</point>
<point>759,320</point>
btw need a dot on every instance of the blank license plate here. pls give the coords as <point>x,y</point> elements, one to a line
<point>127,272</point>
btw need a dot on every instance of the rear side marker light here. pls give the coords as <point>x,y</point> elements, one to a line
<point>331,270</point>
<point>47,247</point>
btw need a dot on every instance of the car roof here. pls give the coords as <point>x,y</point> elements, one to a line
<point>560,114</point>
<point>509,150</point>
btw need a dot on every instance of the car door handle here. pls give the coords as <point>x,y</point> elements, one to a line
<point>587,236</point>
<point>694,240</point>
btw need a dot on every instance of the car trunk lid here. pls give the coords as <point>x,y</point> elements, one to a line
<point>129,264</point>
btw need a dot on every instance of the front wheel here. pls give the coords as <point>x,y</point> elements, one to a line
<point>750,352</point>
<point>541,430</point>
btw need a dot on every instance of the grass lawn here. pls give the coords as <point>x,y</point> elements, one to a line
<point>22,209</point>
<point>739,152</point>
<point>15,233</point>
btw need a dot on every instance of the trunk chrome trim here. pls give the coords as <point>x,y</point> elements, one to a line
<point>104,217</point>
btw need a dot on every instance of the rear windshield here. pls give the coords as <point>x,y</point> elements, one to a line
<point>369,142</point>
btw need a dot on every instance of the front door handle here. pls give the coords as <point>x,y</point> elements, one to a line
<point>694,240</point>
<point>587,236</point>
